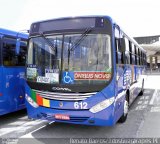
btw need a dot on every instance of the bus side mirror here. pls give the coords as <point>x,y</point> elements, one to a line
<point>17,50</point>
<point>122,45</point>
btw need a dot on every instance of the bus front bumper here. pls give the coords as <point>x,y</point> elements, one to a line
<point>85,117</point>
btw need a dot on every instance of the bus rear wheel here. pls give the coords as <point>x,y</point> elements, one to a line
<point>125,111</point>
<point>142,89</point>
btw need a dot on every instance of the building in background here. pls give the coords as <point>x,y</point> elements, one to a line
<point>152,45</point>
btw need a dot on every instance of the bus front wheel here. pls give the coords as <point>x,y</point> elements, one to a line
<point>125,110</point>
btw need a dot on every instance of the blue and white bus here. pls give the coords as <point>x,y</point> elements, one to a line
<point>82,70</point>
<point>13,51</point>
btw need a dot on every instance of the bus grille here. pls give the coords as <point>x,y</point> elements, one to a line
<point>78,119</point>
<point>64,96</point>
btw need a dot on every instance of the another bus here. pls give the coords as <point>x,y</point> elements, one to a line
<point>13,50</point>
<point>82,70</point>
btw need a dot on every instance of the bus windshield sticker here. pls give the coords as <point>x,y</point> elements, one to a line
<point>42,79</point>
<point>92,76</point>
<point>68,77</point>
<point>53,75</point>
<point>31,73</point>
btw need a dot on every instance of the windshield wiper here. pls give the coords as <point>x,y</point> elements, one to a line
<point>49,43</point>
<point>81,38</point>
<point>77,43</point>
<point>69,52</point>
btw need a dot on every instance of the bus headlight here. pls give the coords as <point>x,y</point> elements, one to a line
<point>31,102</point>
<point>102,105</point>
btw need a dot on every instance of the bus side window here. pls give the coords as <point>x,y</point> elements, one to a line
<point>10,57</point>
<point>144,59</point>
<point>135,54</point>
<point>123,50</point>
<point>130,52</point>
<point>141,58</point>
<point>118,54</point>
<point>22,54</point>
<point>9,51</point>
<point>119,46</point>
<point>127,52</point>
<point>138,57</point>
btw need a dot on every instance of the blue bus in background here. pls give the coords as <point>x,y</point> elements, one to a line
<point>13,50</point>
<point>82,70</point>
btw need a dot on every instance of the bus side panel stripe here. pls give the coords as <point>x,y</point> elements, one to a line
<point>33,95</point>
<point>46,103</point>
<point>39,100</point>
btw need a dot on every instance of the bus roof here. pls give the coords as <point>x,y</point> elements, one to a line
<point>65,18</point>
<point>78,22</point>
<point>13,33</point>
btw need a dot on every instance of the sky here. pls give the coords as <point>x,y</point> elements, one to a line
<point>136,17</point>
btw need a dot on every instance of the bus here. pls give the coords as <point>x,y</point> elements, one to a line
<point>82,70</point>
<point>13,51</point>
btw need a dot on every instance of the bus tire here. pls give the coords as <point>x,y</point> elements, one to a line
<point>142,89</point>
<point>125,110</point>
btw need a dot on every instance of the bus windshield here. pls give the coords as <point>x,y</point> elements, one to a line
<point>88,62</point>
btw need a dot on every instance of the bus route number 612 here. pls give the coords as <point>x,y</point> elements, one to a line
<point>80,105</point>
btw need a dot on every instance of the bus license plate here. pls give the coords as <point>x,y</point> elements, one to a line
<point>62,117</point>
